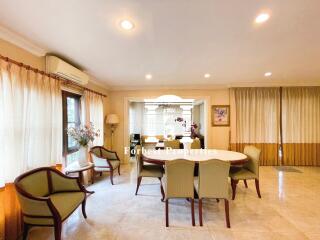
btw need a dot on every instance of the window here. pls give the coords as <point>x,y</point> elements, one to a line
<point>71,118</point>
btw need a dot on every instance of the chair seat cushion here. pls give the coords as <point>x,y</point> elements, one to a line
<point>151,171</point>
<point>114,163</point>
<point>67,202</point>
<point>241,174</point>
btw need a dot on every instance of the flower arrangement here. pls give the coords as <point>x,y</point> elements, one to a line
<point>194,133</point>
<point>182,121</point>
<point>83,134</point>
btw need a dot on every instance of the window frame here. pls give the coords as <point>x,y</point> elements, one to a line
<point>77,99</point>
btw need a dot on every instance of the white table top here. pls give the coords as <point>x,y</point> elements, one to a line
<point>194,155</point>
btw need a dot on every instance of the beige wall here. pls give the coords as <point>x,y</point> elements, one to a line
<point>18,54</point>
<point>218,137</point>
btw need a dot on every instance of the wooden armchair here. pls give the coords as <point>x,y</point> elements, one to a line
<point>104,161</point>
<point>47,198</point>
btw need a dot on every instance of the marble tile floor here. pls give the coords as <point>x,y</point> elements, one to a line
<point>289,209</point>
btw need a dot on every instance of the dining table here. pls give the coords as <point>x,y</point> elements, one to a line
<point>160,156</point>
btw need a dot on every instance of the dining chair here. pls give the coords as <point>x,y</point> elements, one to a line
<point>173,144</point>
<point>249,171</point>
<point>196,144</point>
<point>178,183</point>
<point>152,170</point>
<point>104,161</point>
<point>212,182</point>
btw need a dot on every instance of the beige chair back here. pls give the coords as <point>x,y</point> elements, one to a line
<point>179,177</point>
<point>174,144</point>
<point>253,154</point>
<point>196,144</point>
<point>213,179</point>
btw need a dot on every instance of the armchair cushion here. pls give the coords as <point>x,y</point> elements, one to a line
<point>60,183</point>
<point>67,202</point>
<point>99,161</point>
<point>36,184</point>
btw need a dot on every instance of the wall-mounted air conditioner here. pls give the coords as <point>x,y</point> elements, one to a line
<point>58,67</point>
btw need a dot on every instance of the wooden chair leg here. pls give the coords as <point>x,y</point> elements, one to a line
<point>200,212</point>
<point>226,207</point>
<point>257,187</point>
<point>138,184</point>
<point>119,170</point>
<point>167,212</point>
<point>26,228</point>
<point>192,212</point>
<point>83,207</point>
<point>234,188</point>
<point>111,176</point>
<point>245,183</point>
<point>57,231</point>
<point>92,176</point>
<point>161,189</point>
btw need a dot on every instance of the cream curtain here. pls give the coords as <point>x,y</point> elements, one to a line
<point>92,109</point>
<point>301,126</point>
<point>255,120</point>
<point>30,134</point>
<point>30,121</point>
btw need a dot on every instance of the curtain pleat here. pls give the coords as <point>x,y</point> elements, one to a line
<point>256,121</point>
<point>301,126</point>
<point>30,133</point>
<point>92,109</point>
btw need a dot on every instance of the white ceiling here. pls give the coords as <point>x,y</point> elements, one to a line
<point>177,41</point>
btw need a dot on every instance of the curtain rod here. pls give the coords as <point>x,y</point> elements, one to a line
<point>65,81</point>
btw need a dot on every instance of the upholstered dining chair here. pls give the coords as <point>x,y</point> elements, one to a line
<point>212,182</point>
<point>104,161</point>
<point>196,144</point>
<point>152,170</point>
<point>178,183</point>
<point>249,171</point>
<point>174,144</point>
<point>47,197</point>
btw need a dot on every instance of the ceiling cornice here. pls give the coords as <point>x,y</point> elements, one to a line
<point>21,42</point>
<point>217,86</point>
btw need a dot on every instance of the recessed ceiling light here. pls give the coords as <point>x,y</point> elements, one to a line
<point>148,76</point>
<point>207,75</point>
<point>126,25</point>
<point>262,17</point>
<point>268,74</point>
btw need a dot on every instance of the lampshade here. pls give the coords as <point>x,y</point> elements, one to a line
<point>112,119</point>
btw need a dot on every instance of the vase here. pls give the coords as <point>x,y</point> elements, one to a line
<point>83,156</point>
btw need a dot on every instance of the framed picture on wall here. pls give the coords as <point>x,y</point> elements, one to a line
<point>220,115</point>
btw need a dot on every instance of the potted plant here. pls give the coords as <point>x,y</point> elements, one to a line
<point>83,135</point>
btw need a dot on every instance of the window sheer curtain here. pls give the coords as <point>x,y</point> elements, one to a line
<point>255,121</point>
<point>301,126</point>
<point>30,132</point>
<point>92,108</point>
